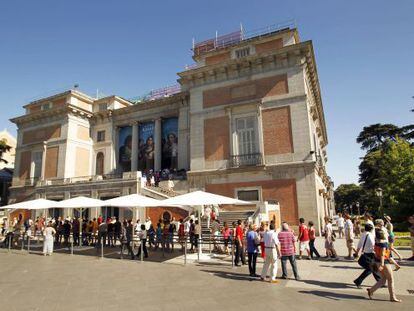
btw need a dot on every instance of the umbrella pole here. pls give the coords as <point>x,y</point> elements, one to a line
<point>80,226</point>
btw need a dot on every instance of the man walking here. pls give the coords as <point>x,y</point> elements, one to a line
<point>272,247</point>
<point>287,250</point>
<point>349,236</point>
<point>367,260</point>
<point>239,245</point>
<point>253,242</point>
<point>340,222</point>
<point>303,238</point>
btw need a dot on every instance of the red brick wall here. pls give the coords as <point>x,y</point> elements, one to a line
<point>42,134</point>
<point>217,58</point>
<point>216,139</point>
<point>156,213</point>
<point>275,85</point>
<point>25,163</point>
<point>277,131</point>
<point>281,190</point>
<point>51,165</point>
<point>269,46</point>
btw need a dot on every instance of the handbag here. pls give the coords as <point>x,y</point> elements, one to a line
<point>364,260</point>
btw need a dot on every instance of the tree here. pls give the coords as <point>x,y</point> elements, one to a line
<point>375,136</point>
<point>347,195</point>
<point>4,147</point>
<point>396,178</point>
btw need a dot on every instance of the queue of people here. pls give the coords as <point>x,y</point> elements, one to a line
<point>374,250</point>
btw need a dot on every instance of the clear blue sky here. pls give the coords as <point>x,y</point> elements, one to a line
<point>364,51</point>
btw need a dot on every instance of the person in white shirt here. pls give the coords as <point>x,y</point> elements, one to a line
<point>148,223</point>
<point>340,222</point>
<point>49,234</point>
<point>272,247</point>
<point>366,247</point>
<point>143,239</point>
<point>349,236</point>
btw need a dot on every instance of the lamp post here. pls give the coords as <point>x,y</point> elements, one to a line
<point>378,192</point>
<point>359,211</point>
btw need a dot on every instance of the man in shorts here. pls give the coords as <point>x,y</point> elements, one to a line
<point>303,238</point>
<point>349,236</point>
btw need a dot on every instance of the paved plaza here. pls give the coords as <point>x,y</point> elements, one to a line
<point>65,282</point>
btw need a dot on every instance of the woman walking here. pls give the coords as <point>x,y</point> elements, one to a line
<point>48,233</point>
<point>382,255</point>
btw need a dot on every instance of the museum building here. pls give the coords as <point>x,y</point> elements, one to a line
<point>245,121</point>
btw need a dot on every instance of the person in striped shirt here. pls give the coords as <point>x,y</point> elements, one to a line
<point>288,250</point>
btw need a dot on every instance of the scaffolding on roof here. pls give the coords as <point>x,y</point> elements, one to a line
<point>236,37</point>
<point>157,93</point>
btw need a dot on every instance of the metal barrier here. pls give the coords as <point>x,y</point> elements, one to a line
<point>215,244</point>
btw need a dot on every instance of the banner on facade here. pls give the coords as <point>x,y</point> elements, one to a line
<point>125,148</point>
<point>146,146</point>
<point>169,143</point>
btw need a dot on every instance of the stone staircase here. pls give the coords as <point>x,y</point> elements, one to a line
<point>229,217</point>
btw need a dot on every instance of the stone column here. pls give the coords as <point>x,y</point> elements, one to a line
<point>157,145</point>
<point>134,156</point>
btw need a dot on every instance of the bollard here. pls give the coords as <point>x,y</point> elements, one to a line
<point>185,250</point>
<point>142,251</point>
<point>232,254</point>
<point>10,242</point>
<point>209,244</point>
<point>199,249</point>
<point>102,252</point>
<point>71,246</point>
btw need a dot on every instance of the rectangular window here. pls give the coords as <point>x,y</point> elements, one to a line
<point>243,52</point>
<point>248,195</point>
<point>37,164</point>
<point>100,136</point>
<point>46,106</point>
<point>246,131</point>
<point>102,107</point>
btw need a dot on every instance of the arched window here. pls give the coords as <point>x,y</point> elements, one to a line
<point>100,163</point>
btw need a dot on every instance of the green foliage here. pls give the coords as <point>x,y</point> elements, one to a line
<point>4,147</point>
<point>396,178</point>
<point>388,164</point>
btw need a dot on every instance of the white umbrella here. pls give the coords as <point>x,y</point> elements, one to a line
<point>203,198</point>
<point>80,202</point>
<point>32,204</point>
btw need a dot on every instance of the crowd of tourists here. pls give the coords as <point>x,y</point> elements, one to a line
<point>374,251</point>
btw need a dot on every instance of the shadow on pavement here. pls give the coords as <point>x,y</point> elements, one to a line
<point>333,285</point>
<point>232,275</point>
<point>342,267</point>
<point>331,295</point>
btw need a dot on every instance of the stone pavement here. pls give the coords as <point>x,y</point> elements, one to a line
<point>64,282</point>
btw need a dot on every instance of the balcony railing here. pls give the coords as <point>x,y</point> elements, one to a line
<point>246,160</point>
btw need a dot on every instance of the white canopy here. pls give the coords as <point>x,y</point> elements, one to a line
<point>134,200</point>
<point>202,198</point>
<point>80,202</point>
<point>32,204</point>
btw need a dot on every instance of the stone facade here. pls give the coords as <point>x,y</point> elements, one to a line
<point>250,122</point>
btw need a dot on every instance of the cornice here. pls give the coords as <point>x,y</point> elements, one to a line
<point>41,115</point>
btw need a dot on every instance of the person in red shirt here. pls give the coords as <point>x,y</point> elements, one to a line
<point>312,238</point>
<point>303,238</point>
<point>239,245</point>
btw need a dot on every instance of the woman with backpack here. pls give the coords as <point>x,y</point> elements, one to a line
<point>383,265</point>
